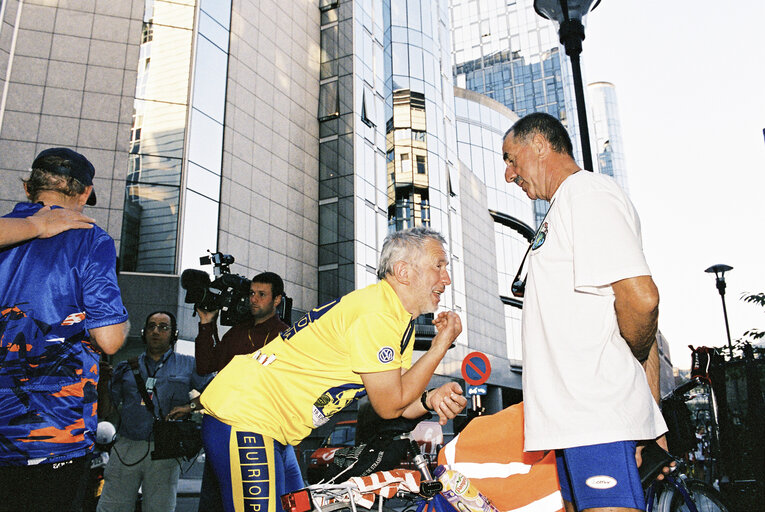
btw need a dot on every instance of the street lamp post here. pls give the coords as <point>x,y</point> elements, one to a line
<point>569,16</point>
<point>719,271</point>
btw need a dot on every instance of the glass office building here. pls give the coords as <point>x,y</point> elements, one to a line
<point>505,50</point>
<point>292,135</point>
<point>481,124</point>
<point>386,142</point>
<point>176,140</point>
<point>607,131</point>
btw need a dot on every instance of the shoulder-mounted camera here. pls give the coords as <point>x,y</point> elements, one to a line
<point>229,293</point>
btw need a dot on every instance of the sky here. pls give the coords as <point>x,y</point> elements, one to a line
<point>690,84</point>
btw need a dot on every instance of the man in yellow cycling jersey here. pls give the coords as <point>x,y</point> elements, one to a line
<point>261,404</point>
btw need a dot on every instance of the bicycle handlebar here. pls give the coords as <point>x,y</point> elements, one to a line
<point>682,389</point>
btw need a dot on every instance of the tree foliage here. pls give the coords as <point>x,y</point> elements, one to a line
<point>753,336</point>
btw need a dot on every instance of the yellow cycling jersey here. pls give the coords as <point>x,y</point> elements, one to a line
<point>300,379</point>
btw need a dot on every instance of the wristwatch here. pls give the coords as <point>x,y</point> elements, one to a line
<point>424,400</point>
<point>192,405</point>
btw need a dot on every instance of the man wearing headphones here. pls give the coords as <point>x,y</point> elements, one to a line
<point>168,378</point>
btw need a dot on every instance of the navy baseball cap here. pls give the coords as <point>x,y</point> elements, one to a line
<point>66,162</point>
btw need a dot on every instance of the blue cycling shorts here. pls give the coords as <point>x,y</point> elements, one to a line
<point>600,475</point>
<point>253,470</point>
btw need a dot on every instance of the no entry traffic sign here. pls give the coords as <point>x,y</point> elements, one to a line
<point>476,368</point>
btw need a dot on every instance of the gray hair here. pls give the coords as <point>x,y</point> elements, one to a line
<point>399,246</point>
<point>546,125</point>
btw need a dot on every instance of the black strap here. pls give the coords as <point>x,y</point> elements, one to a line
<point>407,336</point>
<point>133,362</point>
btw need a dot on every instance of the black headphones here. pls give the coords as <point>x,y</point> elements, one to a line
<point>173,326</point>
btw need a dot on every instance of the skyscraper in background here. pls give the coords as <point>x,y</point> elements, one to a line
<point>607,131</point>
<point>505,50</point>
<point>294,136</point>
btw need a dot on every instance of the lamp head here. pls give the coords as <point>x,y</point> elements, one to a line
<point>562,10</point>
<point>719,270</point>
<point>568,17</point>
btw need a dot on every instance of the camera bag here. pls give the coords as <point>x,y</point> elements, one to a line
<point>172,438</point>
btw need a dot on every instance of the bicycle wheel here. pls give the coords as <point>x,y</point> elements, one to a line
<point>704,497</point>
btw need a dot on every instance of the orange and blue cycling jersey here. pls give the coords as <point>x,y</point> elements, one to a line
<point>53,291</point>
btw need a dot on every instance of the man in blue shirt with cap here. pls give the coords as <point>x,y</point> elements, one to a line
<point>60,307</point>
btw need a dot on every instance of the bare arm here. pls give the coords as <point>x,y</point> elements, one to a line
<point>393,393</point>
<point>110,337</point>
<point>636,301</point>
<point>637,313</point>
<point>446,400</point>
<point>43,224</point>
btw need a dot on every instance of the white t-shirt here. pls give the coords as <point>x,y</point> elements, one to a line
<point>581,383</point>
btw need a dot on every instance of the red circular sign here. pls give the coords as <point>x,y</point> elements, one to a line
<point>476,368</point>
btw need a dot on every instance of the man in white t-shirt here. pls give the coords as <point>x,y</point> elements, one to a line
<point>590,378</point>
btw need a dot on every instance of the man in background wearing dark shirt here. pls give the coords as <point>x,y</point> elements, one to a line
<point>213,354</point>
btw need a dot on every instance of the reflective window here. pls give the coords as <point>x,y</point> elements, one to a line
<point>150,230</point>
<point>202,181</point>
<point>201,220</point>
<point>413,12</point>
<point>328,100</point>
<point>210,79</point>
<point>219,10</point>
<point>398,13</point>
<point>205,141</point>
<point>213,30</point>
<point>400,59</point>
<point>329,51</point>
<point>325,5</point>
<point>328,223</point>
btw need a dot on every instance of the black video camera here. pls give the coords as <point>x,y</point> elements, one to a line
<point>229,293</point>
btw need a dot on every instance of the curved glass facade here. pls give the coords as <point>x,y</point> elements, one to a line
<point>504,50</point>
<point>419,130</point>
<point>481,124</point>
<point>386,126</point>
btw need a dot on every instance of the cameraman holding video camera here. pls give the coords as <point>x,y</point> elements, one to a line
<point>213,354</point>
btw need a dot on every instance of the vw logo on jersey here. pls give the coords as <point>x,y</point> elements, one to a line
<point>540,238</point>
<point>386,355</point>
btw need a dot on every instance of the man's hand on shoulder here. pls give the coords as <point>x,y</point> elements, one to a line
<point>43,224</point>
<point>50,222</point>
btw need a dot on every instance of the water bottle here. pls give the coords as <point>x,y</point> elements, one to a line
<point>463,495</point>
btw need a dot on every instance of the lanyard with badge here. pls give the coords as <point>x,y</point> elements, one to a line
<point>151,380</point>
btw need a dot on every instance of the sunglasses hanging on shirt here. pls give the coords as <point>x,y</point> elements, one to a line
<point>518,288</point>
